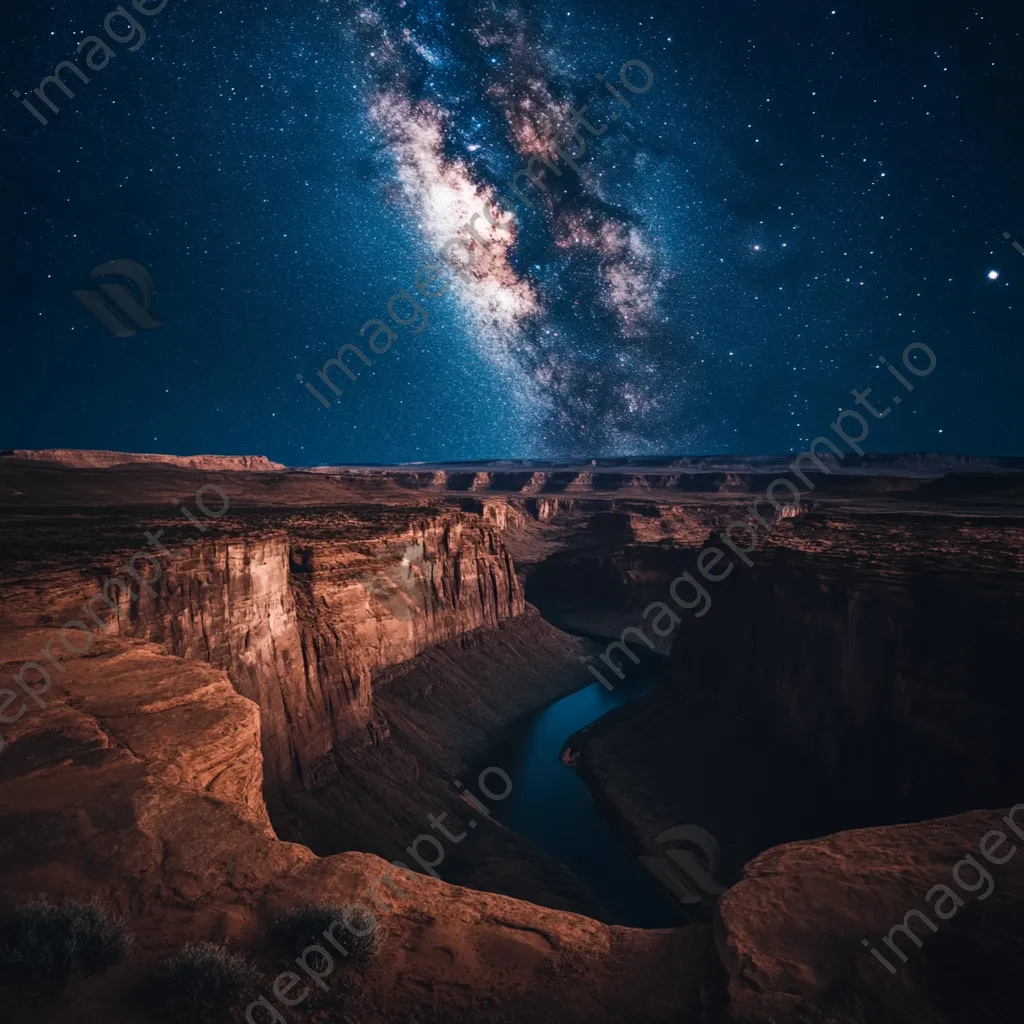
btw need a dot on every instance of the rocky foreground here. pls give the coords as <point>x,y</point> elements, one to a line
<point>308,671</point>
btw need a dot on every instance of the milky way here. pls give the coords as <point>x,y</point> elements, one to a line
<point>797,191</point>
<point>575,325</point>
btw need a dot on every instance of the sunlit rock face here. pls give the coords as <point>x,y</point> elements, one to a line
<point>303,624</point>
<point>140,786</point>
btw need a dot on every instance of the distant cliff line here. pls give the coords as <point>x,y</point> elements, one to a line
<point>93,459</point>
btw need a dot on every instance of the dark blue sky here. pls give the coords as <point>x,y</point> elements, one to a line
<point>803,187</point>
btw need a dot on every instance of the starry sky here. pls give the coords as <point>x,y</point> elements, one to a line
<point>777,196</point>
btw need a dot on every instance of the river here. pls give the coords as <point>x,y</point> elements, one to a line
<point>551,806</point>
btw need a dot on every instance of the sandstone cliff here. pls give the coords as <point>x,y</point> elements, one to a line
<point>302,619</point>
<point>140,785</point>
<point>79,458</point>
<point>861,672</point>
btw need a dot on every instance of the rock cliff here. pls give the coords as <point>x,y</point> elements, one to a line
<point>860,672</point>
<point>340,646</point>
<point>79,458</point>
<point>140,785</point>
<point>301,619</point>
<point>803,934</point>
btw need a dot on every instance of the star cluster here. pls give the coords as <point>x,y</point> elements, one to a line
<point>708,260</point>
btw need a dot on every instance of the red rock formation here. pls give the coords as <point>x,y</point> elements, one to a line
<point>862,671</point>
<point>792,932</point>
<point>83,458</point>
<point>301,622</point>
<point>865,666</point>
<point>140,785</point>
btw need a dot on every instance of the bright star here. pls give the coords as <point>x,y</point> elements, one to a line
<point>993,274</point>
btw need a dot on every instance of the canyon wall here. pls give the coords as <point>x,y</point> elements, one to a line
<point>84,458</point>
<point>904,691</point>
<point>301,619</point>
<point>386,646</point>
<point>857,674</point>
<point>865,669</point>
<point>139,786</point>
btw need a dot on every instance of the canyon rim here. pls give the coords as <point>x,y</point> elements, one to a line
<point>255,731</point>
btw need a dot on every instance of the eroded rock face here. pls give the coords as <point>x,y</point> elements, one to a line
<point>435,720</point>
<point>862,671</point>
<point>82,458</point>
<point>301,622</point>
<point>864,666</point>
<point>127,710</point>
<point>139,784</point>
<point>800,932</point>
<point>885,660</point>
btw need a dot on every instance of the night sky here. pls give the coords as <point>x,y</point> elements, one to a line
<point>800,189</point>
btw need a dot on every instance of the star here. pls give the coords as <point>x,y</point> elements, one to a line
<point>589,318</point>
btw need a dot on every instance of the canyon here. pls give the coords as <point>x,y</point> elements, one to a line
<point>277,714</point>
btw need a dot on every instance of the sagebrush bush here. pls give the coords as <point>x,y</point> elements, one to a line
<point>305,926</point>
<point>201,982</point>
<point>56,941</point>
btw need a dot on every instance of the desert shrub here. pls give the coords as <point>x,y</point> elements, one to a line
<point>56,941</point>
<point>202,982</point>
<point>305,926</point>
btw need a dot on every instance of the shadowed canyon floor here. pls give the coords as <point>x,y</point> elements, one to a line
<point>273,716</point>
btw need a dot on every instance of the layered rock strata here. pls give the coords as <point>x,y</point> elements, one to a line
<point>141,786</point>
<point>301,619</point>
<point>862,672</point>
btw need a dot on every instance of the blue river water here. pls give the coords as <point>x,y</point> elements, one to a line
<point>551,806</point>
